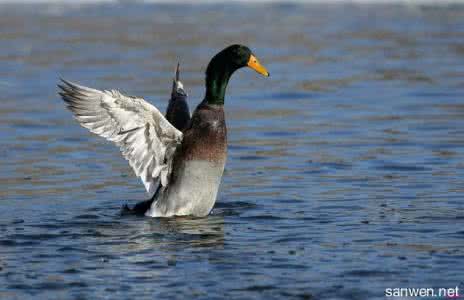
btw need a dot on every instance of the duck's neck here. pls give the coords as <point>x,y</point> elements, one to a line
<point>217,78</point>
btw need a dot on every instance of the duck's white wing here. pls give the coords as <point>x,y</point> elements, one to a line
<point>146,139</point>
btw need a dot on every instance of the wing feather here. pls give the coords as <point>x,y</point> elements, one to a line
<point>144,136</point>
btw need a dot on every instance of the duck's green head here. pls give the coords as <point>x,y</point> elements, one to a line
<point>223,65</point>
<point>233,58</point>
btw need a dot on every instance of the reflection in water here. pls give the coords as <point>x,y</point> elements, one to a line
<point>196,232</point>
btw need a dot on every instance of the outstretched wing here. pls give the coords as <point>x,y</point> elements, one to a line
<point>146,139</point>
<point>178,112</point>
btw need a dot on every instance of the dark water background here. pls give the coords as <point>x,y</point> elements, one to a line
<point>345,172</point>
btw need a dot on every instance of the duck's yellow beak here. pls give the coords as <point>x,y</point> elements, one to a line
<point>253,63</point>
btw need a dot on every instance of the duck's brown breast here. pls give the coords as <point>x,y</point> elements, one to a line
<point>206,138</point>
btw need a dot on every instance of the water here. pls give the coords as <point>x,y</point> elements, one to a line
<point>345,173</point>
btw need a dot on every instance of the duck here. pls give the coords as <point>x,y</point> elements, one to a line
<point>179,157</point>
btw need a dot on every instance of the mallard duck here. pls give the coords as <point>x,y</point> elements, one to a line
<point>180,159</point>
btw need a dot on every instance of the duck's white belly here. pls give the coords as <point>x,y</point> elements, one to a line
<point>193,192</point>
